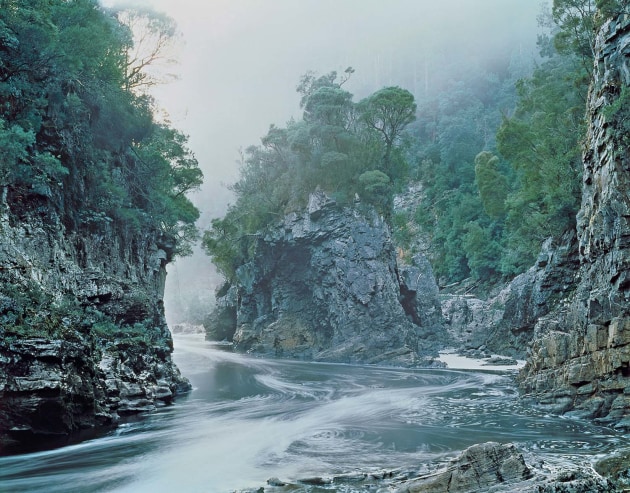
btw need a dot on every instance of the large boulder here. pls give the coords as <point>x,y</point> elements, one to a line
<point>501,468</point>
<point>478,468</point>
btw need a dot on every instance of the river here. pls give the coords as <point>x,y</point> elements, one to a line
<point>249,419</point>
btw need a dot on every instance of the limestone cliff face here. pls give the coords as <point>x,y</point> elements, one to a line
<point>324,285</point>
<point>83,339</point>
<point>580,359</point>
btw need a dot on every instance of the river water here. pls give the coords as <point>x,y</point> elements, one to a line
<point>249,419</point>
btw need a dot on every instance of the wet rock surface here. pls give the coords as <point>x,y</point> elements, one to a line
<point>83,339</point>
<point>323,280</point>
<point>487,467</point>
<point>580,358</point>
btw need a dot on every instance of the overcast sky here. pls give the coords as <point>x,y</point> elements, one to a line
<point>241,60</point>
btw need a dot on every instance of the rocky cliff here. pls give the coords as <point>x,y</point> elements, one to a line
<point>83,339</point>
<point>504,323</point>
<point>580,358</point>
<point>325,285</point>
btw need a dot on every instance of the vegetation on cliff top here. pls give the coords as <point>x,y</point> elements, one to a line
<point>77,127</point>
<point>346,149</point>
<point>496,150</point>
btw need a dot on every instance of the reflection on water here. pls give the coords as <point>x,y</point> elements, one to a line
<point>250,419</point>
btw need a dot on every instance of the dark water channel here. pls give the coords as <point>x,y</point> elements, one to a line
<point>250,419</point>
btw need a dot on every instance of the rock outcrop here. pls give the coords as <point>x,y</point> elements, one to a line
<point>324,285</point>
<point>476,469</point>
<point>488,467</point>
<point>83,339</point>
<point>580,358</point>
<point>504,323</point>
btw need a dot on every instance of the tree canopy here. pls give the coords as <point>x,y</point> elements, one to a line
<point>76,131</point>
<point>488,150</point>
<point>346,149</point>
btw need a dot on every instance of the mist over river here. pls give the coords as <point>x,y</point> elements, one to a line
<point>249,419</point>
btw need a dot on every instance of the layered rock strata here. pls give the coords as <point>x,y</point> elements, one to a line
<point>324,285</point>
<point>580,358</point>
<point>504,323</point>
<point>83,339</point>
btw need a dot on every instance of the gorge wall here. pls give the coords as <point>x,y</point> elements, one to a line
<point>580,358</point>
<point>504,323</point>
<point>325,285</point>
<point>83,339</point>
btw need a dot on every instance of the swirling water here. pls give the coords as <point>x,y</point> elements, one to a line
<point>249,419</point>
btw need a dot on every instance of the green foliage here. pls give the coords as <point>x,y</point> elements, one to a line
<point>387,112</point>
<point>576,23</point>
<point>493,185</point>
<point>541,143</point>
<point>136,335</point>
<point>460,184</point>
<point>499,157</point>
<point>612,8</point>
<point>336,147</point>
<point>27,311</point>
<point>482,251</point>
<point>75,129</point>
<point>404,232</point>
<point>376,188</point>
<point>490,148</point>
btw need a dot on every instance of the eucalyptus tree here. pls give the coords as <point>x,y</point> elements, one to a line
<point>74,129</point>
<point>388,111</point>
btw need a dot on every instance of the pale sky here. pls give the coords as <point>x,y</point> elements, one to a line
<point>241,61</point>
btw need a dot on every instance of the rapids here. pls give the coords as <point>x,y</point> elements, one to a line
<point>249,419</point>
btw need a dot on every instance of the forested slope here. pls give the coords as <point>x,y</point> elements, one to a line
<point>93,206</point>
<point>493,143</point>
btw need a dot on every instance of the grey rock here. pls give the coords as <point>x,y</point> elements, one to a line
<point>505,323</point>
<point>77,378</point>
<point>580,358</point>
<point>420,295</point>
<point>324,285</point>
<point>478,468</point>
<point>220,323</point>
<point>494,467</point>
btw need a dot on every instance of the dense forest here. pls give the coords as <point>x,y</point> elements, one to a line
<point>75,116</point>
<point>494,151</point>
<point>79,140</point>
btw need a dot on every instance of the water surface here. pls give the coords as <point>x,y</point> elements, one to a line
<point>249,419</point>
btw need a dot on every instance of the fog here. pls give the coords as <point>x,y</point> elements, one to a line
<point>240,62</point>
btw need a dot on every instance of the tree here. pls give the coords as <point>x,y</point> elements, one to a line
<point>493,185</point>
<point>376,188</point>
<point>74,129</point>
<point>325,150</point>
<point>388,111</point>
<point>576,24</point>
<point>152,35</point>
<point>541,143</point>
